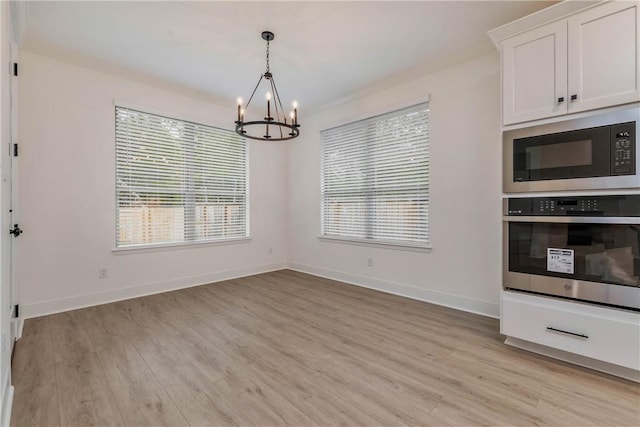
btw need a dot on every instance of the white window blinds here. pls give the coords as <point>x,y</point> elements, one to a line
<point>375,179</point>
<point>178,181</point>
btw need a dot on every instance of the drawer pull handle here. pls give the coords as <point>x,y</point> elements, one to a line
<point>549,328</point>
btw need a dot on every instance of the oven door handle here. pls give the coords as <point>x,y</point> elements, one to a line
<point>575,219</point>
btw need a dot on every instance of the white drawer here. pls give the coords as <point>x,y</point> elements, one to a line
<point>609,335</point>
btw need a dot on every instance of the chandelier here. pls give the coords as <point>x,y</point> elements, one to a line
<point>272,127</point>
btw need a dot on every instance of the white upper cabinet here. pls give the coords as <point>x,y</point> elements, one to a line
<point>603,56</point>
<point>535,74</point>
<point>585,61</point>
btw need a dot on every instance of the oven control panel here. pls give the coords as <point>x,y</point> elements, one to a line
<point>623,159</point>
<point>616,205</point>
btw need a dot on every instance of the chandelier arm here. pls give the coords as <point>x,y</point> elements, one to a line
<point>277,101</point>
<point>246,108</point>
<point>277,95</point>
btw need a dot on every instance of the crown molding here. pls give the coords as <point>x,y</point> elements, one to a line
<point>541,17</point>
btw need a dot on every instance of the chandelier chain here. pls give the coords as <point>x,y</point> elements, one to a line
<point>267,56</point>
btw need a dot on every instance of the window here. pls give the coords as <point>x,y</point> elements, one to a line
<point>375,179</point>
<point>178,181</point>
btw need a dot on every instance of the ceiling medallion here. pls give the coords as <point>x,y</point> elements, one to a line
<point>271,128</point>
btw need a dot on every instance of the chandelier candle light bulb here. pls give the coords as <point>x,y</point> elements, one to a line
<point>280,129</point>
<point>268,118</point>
<point>295,112</point>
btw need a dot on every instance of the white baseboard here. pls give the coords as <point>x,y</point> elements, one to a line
<point>20,327</point>
<point>576,359</point>
<point>73,303</point>
<point>448,300</point>
<point>82,301</point>
<point>16,325</point>
<point>7,402</point>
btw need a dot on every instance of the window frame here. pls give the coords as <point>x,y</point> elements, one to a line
<point>377,242</point>
<point>179,244</point>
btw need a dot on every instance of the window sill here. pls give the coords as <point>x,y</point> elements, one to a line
<point>160,247</point>
<point>387,245</point>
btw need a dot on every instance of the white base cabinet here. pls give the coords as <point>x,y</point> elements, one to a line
<point>604,334</point>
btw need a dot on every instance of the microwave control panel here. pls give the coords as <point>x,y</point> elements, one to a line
<point>618,205</point>
<point>623,155</point>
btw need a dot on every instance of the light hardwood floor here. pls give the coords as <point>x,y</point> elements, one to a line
<point>286,348</point>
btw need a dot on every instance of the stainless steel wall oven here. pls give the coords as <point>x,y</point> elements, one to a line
<point>584,248</point>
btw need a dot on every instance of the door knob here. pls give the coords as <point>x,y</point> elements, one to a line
<point>16,230</point>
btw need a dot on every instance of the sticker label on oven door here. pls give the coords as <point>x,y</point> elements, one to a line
<point>560,260</point>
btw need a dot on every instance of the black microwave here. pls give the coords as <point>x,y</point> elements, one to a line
<point>594,152</point>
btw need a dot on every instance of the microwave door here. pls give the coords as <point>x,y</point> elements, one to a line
<point>577,154</point>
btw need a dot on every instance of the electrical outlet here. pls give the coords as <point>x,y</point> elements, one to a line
<point>370,261</point>
<point>103,273</point>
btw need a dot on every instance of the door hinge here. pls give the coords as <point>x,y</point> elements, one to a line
<point>16,230</point>
<point>15,69</point>
<point>16,311</point>
<point>15,150</point>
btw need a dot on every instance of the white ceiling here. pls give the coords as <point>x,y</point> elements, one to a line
<point>323,51</point>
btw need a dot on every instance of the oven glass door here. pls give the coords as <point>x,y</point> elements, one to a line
<point>605,253</point>
<point>576,154</point>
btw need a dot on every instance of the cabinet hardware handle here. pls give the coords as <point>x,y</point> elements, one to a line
<point>549,328</point>
<point>574,97</point>
<point>561,99</point>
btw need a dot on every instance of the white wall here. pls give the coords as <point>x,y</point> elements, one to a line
<point>463,268</point>
<point>66,195</point>
<point>67,207</point>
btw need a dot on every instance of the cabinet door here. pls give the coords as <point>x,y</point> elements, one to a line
<point>534,74</point>
<point>603,56</point>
